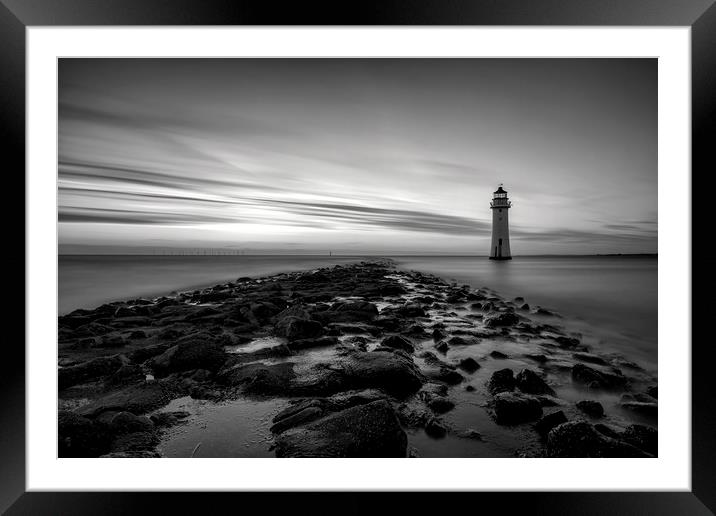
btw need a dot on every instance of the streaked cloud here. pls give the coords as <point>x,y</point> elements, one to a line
<point>357,154</point>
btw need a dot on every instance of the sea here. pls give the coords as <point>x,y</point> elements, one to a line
<point>610,300</point>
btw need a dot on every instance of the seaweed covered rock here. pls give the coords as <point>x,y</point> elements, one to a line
<point>200,351</point>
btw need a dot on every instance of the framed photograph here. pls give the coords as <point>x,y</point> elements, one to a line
<point>434,249</point>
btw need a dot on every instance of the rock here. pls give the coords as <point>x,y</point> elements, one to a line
<point>137,399</point>
<point>305,415</point>
<point>461,341</point>
<point>167,419</point>
<point>143,454</point>
<point>606,430</point>
<point>587,375</point>
<point>549,421</point>
<point>258,378</point>
<point>192,352</point>
<point>544,311</point>
<point>410,310</point>
<point>476,306</point>
<point>567,342</point>
<point>643,437</point>
<point>445,373</point>
<point>502,319</point>
<point>134,442</point>
<point>137,334</point>
<point>440,405</point>
<point>591,408</point>
<point>501,381</point>
<point>142,354</point>
<point>442,346</point>
<point>125,375</point>
<point>589,357</point>
<point>294,328</point>
<point>370,430</point>
<point>645,408</point>
<point>78,436</point>
<point>124,311</point>
<point>514,408</point>
<point>469,388</point>
<point>438,335</point>
<point>537,357</point>
<point>90,370</point>
<point>471,434</point>
<point>469,364</point>
<point>530,382</point>
<point>398,342</point>
<point>435,428</point>
<point>498,355</point>
<point>653,392</point>
<point>126,422</point>
<point>525,307</point>
<point>312,343</point>
<point>580,439</point>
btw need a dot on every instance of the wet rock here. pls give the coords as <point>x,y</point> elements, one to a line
<point>79,436</point>
<point>304,414</point>
<point>259,378</point>
<point>544,311</point>
<point>514,408</point>
<point>140,454</point>
<point>440,404</point>
<point>398,342</point>
<point>90,370</point>
<point>410,310</point>
<point>606,430</point>
<point>653,392</point>
<point>567,342</point>
<point>580,439</point>
<point>111,341</point>
<point>591,408</point>
<point>643,437</point>
<point>137,334</point>
<point>125,375</point>
<point>370,430</point>
<point>137,399</point>
<point>134,442</point>
<point>525,307</point>
<point>312,343</point>
<point>124,311</point>
<point>476,306</point>
<point>645,408</point>
<point>294,328</point>
<point>147,352</point>
<point>125,422</point>
<point>168,419</point>
<point>438,335</point>
<point>498,355</point>
<point>435,428</point>
<point>502,319</point>
<point>445,373</point>
<point>589,357</point>
<point>593,378</point>
<point>442,346</point>
<point>192,352</point>
<point>530,382</point>
<point>549,421</point>
<point>501,381</point>
<point>469,388</point>
<point>537,357</point>
<point>469,364</point>
<point>471,434</point>
<point>462,341</point>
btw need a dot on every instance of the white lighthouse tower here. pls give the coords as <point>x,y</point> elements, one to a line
<point>500,246</point>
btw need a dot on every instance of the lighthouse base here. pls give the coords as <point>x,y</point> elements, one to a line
<point>500,257</point>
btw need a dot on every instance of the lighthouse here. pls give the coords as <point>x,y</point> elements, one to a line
<point>500,246</point>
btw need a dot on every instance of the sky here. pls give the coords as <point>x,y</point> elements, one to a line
<point>364,156</point>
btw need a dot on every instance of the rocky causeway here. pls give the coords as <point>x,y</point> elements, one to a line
<point>355,360</point>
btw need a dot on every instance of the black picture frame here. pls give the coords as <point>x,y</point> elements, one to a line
<point>700,15</point>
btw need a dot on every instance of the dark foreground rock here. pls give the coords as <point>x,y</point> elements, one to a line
<point>580,439</point>
<point>549,421</point>
<point>370,430</point>
<point>513,408</point>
